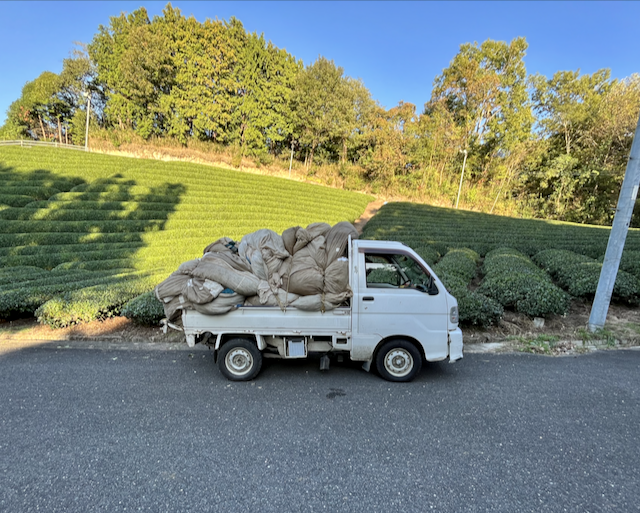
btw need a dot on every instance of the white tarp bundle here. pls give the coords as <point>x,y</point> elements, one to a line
<point>306,268</point>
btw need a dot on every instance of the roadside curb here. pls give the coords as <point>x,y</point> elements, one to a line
<point>11,345</point>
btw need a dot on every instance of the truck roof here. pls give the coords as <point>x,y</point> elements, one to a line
<point>377,244</point>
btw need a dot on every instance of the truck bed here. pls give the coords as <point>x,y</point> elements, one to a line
<point>268,321</point>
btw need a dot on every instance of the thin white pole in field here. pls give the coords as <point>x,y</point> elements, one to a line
<point>617,237</point>
<point>86,132</point>
<point>291,160</point>
<point>464,163</point>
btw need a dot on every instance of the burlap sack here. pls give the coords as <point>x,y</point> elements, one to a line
<point>220,246</point>
<point>321,302</point>
<point>201,291</point>
<point>187,267</point>
<point>262,270</point>
<point>336,277</point>
<point>281,299</point>
<point>215,268</point>
<point>337,239</point>
<point>173,308</point>
<point>289,238</point>
<point>171,287</point>
<point>264,250</point>
<point>224,303</point>
<point>304,236</point>
<point>233,259</point>
<point>307,275</point>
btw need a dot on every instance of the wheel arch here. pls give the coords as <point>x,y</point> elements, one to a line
<point>223,338</point>
<point>412,340</point>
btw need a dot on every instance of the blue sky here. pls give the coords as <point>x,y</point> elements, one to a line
<point>396,48</point>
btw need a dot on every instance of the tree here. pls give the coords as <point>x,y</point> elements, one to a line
<point>37,112</point>
<point>265,78</point>
<point>197,102</point>
<point>587,122</point>
<point>78,83</point>
<point>391,149</point>
<point>328,108</point>
<point>485,90</point>
<point>567,101</point>
<point>134,70</point>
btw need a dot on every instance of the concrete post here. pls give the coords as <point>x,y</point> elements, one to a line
<point>617,237</point>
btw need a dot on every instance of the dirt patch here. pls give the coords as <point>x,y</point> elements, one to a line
<point>558,335</point>
<point>369,212</point>
<point>116,329</point>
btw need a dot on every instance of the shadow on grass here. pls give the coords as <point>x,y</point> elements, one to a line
<point>68,220</point>
<point>78,230</point>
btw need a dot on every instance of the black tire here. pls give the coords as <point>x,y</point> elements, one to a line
<point>239,359</point>
<point>398,360</point>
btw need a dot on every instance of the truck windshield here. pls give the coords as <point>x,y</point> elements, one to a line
<point>394,270</point>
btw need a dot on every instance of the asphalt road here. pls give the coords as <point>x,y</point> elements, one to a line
<point>154,430</point>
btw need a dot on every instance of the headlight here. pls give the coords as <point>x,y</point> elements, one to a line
<point>453,315</point>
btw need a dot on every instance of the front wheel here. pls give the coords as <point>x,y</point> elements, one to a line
<point>239,360</point>
<point>398,360</point>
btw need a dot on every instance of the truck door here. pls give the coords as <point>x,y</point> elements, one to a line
<point>397,297</point>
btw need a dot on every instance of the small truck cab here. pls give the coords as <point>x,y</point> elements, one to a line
<point>400,315</point>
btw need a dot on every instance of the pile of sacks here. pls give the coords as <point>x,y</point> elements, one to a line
<point>306,268</point>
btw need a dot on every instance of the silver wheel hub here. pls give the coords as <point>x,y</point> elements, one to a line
<point>238,361</point>
<point>398,362</point>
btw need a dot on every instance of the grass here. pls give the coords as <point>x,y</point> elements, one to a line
<point>602,336</point>
<point>541,344</point>
<point>73,220</point>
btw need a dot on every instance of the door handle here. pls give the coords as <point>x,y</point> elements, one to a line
<point>367,298</point>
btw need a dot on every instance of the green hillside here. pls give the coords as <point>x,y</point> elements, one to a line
<point>71,220</point>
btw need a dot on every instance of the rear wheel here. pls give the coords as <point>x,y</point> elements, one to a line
<point>239,360</point>
<point>398,360</point>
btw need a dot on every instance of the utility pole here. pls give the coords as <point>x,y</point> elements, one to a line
<point>464,163</point>
<point>617,237</point>
<point>86,132</point>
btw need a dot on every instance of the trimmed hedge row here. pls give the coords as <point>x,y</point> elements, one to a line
<point>417,224</point>
<point>25,298</point>
<point>456,270</point>
<point>14,200</point>
<point>429,254</point>
<point>630,263</point>
<point>59,215</point>
<point>461,262</point>
<point>12,240</point>
<point>144,309</point>
<point>579,275</point>
<point>19,251</point>
<point>96,302</point>
<point>52,260</point>
<point>513,280</point>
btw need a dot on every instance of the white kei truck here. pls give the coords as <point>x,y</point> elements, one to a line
<point>399,316</point>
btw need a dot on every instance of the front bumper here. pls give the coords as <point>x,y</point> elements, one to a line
<point>455,345</point>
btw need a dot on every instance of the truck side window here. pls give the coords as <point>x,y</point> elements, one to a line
<point>381,272</point>
<point>396,271</point>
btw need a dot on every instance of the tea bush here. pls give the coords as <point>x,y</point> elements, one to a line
<point>516,282</point>
<point>144,309</point>
<point>456,270</point>
<point>579,275</point>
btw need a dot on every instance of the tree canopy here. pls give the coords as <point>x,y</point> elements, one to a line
<point>550,147</point>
